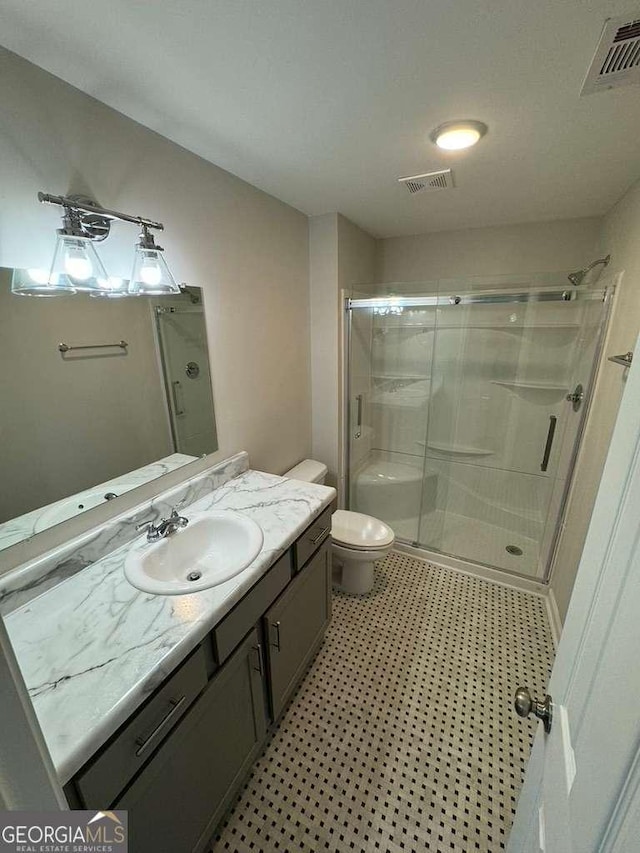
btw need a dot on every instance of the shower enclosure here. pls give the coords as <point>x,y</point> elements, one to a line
<point>465,411</point>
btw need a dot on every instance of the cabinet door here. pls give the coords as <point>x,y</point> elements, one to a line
<point>179,798</point>
<point>295,625</point>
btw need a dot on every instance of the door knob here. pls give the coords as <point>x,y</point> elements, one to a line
<point>525,705</point>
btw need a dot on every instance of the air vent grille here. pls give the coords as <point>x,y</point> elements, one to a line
<point>430,181</point>
<point>616,61</point>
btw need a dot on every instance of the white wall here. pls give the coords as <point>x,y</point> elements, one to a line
<point>505,250</point>
<point>356,265</point>
<point>621,237</point>
<point>340,255</point>
<point>247,250</point>
<point>323,298</point>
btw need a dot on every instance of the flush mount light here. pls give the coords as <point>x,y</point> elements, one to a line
<point>76,266</point>
<point>456,135</point>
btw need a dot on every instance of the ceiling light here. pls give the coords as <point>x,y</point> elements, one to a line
<point>151,276</point>
<point>456,135</point>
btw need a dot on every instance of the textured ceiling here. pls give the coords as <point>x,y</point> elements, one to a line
<point>325,103</point>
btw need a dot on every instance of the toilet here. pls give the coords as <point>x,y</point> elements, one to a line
<point>358,540</point>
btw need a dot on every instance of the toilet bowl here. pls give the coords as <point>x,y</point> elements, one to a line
<point>358,540</point>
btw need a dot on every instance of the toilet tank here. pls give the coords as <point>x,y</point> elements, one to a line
<point>309,471</point>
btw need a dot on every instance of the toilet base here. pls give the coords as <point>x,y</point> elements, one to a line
<point>357,578</point>
<point>354,571</point>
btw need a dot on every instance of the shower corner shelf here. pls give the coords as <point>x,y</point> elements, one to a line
<point>531,386</point>
<point>417,377</point>
<point>457,449</point>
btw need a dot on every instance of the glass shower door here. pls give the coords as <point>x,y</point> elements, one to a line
<point>500,432</point>
<point>390,384</point>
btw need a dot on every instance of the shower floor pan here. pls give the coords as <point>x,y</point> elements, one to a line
<point>473,540</point>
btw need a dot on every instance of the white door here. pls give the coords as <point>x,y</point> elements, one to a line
<point>582,788</point>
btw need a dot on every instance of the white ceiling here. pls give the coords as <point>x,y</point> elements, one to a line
<point>325,103</point>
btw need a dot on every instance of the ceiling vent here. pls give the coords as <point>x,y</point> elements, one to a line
<point>616,61</point>
<point>430,181</point>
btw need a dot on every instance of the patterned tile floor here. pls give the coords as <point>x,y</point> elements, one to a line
<point>402,736</point>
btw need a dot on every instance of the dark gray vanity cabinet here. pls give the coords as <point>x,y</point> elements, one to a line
<point>295,625</point>
<point>176,802</point>
<point>178,762</point>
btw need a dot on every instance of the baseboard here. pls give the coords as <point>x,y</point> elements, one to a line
<point>457,565</point>
<point>555,622</point>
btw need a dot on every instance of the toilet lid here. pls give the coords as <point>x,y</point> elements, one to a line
<point>360,531</point>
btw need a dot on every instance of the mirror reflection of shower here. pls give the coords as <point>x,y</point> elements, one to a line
<point>590,274</point>
<point>185,366</point>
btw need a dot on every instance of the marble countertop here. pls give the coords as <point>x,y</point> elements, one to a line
<point>27,525</point>
<point>93,647</point>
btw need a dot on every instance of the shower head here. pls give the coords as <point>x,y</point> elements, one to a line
<point>579,276</point>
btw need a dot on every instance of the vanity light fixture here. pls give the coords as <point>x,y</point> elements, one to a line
<point>76,266</point>
<point>151,276</point>
<point>456,135</point>
<point>75,260</point>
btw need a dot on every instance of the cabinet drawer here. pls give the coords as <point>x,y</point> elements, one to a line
<point>108,774</point>
<point>312,538</point>
<point>236,624</point>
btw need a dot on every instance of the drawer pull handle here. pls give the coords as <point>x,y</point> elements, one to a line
<point>276,625</point>
<point>145,743</point>
<point>320,536</point>
<point>258,649</point>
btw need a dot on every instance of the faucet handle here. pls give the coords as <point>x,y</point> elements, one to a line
<point>153,533</point>
<point>178,519</point>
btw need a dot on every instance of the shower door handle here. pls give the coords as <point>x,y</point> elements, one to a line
<point>359,416</point>
<point>549,443</point>
<point>175,386</point>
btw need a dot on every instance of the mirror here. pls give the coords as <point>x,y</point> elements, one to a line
<point>99,396</point>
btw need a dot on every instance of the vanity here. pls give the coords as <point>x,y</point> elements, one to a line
<point>160,704</point>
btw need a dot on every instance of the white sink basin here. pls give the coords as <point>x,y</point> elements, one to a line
<point>63,510</point>
<point>214,547</point>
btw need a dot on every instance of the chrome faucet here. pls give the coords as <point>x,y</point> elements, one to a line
<point>165,527</point>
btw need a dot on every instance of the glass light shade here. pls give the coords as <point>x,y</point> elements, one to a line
<point>76,262</point>
<point>457,135</point>
<point>39,282</point>
<point>151,276</point>
<point>112,288</point>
